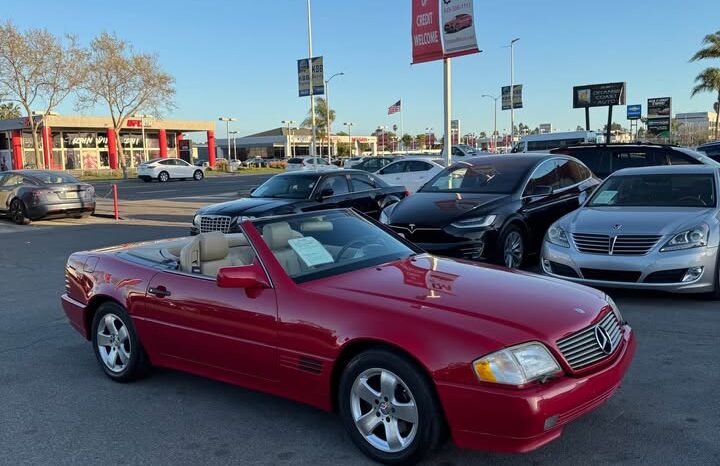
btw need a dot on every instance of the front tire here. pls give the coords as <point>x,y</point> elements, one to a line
<point>389,408</point>
<point>163,176</point>
<point>198,175</point>
<point>18,213</point>
<point>116,344</point>
<point>511,247</point>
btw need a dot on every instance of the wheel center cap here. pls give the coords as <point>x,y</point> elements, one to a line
<point>384,407</point>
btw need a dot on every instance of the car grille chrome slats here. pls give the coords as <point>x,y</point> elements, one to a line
<point>582,348</point>
<point>621,245</point>
<point>215,223</point>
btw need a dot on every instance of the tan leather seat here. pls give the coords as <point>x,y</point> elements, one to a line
<point>190,256</point>
<point>276,235</point>
<point>214,251</point>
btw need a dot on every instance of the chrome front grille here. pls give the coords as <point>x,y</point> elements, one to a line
<point>584,347</point>
<point>215,223</point>
<point>621,245</point>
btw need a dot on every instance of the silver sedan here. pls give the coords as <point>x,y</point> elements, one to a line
<point>650,227</point>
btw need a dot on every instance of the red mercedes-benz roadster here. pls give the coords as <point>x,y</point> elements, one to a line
<point>335,310</point>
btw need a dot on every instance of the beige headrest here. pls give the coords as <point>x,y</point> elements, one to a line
<point>316,225</point>
<point>213,246</point>
<point>276,235</point>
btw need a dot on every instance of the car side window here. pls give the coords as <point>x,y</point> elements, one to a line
<point>361,182</point>
<point>397,167</point>
<point>12,180</point>
<point>636,158</point>
<point>456,151</point>
<point>545,175</point>
<point>418,166</point>
<point>676,158</point>
<point>570,173</point>
<point>337,183</point>
<point>181,163</point>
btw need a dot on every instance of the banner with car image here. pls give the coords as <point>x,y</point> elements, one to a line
<point>458,28</point>
<point>659,117</point>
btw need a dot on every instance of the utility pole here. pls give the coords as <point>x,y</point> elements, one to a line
<point>312,96</point>
<point>290,124</point>
<point>328,120</point>
<point>448,113</point>
<point>349,128</point>
<point>512,90</point>
<point>494,138</point>
<point>234,151</point>
<point>227,121</point>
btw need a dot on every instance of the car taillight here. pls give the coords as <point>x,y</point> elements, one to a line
<point>407,193</point>
<point>40,195</point>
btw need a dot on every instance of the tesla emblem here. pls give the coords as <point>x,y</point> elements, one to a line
<point>616,227</point>
<point>579,310</point>
<point>411,228</point>
<point>603,339</point>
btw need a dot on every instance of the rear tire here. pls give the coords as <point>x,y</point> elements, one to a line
<point>163,176</point>
<point>198,175</point>
<point>146,179</point>
<point>18,213</point>
<point>382,392</point>
<point>116,344</point>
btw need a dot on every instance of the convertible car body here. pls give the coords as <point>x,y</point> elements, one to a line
<point>334,310</point>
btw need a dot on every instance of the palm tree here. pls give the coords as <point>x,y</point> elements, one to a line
<point>9,110</point>
<point>321,117</point>
<point>709,81</point>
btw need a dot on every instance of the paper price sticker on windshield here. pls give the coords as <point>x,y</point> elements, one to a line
<point>605,197</point>
<point>310,251</point>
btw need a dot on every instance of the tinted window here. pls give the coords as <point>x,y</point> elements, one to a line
<point>168,162</point>
<point>338,184</point>
<point>596,159</point>
<point>570,173</point>
<point>678,158</point>
<point>397,167</point>
<point>295,160</point>
<point>286,187</point>
<point>635,158</point>
<point>55,178</point>
<point>545,175</point>
<point>667,190</point>
<point>499,178</point>
<point>418,166</point>
<point>360,182</point>
<point>13,180</point>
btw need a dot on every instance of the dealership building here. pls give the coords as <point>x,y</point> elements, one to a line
<point>89,143</point>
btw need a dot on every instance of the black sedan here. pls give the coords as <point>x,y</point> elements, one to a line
<point>494,208</point>
<point>27,195</point>
<point>301,191</point>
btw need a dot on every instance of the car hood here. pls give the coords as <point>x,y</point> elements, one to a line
<point>439,209</point>
<point>250,206</point>
<point>634,220</point>
<point>506,306</point>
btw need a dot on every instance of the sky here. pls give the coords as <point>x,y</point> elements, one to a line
<point>238,58</point>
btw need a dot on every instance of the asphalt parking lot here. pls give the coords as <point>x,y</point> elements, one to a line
<point>57,407</point>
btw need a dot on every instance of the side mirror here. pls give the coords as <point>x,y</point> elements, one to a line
<point>252,190</point>
<point>243,276</point>
<point>542,190</point>
<point>327,192</point>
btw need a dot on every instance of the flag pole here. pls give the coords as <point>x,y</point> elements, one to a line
<point>402,127</point>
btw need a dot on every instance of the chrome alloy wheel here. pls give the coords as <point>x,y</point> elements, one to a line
<point>113,343</point>
<point>384,410</point>
<point>513,250</point>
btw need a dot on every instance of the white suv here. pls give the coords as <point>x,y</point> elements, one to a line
<point>309,163</point>
<point>165,169</point>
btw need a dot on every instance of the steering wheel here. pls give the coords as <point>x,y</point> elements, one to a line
<point>357,242</point>
<point>693,199</point>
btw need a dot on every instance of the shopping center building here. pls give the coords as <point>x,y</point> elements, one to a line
<point>89,143</point>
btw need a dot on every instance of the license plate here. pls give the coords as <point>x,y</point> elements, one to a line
<point>72,195</point>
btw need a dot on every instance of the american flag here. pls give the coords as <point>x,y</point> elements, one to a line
<point>394,108</point>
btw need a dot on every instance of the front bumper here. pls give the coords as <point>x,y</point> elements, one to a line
<point>520,420</point>
<point>474,245</point>
<point>648,266</point>
<point>61,209</point>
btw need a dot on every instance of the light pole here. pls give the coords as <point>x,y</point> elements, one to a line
<point>233,133</point>
<point>428,131</point>
<point>512,90</point>
<point>290,124</point>
<point>328,121</point>
<point>142,129</point>
<point>349,128</point>
<point>227,121</point>
<point>382,131</point>
<point>312,97</point>
<point>494,138</point>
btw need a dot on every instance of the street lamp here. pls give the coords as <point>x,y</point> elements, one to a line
<point>142,125</point>
<point>290,125</point>
<point>494,138</point>
<point>349,128</point>
<point>227,121</point>
<point>233,133</point>
<point>428,131</point>
<point>327,109</point>
<point>383,133</point>
<point>512,90</point>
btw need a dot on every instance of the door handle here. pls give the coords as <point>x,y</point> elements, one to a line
<point>160,292</point>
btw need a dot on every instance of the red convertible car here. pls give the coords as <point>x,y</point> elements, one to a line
<point>458,23</point>
<point>335,310</point>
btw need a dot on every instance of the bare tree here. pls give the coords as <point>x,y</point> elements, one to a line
<point>126,81</point>
<point>38,70</point>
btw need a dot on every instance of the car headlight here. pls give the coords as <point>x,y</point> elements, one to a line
<point>385,213</point>
<point>196,220</point>
<point>476,222</point>
<point>516,365</point>
<point>557,236</point>
<point>615,309</point>
<point>693,238</point>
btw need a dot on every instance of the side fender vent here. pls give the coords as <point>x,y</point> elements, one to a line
<point>302,363</point>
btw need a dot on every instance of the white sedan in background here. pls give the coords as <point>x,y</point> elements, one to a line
<point>411,172</point>
<point>309,163</point>
<point>171,168</point>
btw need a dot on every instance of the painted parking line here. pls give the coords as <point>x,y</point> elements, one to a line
<point>158,191</point>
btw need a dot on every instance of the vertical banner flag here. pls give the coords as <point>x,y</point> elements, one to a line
<point>426,31</point>
<point>310,83</point>
<point>458,28</point>
<point>516,98</point>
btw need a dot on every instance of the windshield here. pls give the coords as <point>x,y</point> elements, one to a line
<point>701,156</point>
<point>312,246</point>
<point>493,178</point>
<point>54,178</point>
<point>667,190</point>
<point>287,187</point>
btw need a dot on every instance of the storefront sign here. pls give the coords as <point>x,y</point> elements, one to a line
<point>310,83</point>
<point>659,116</point>
<point>599,95</point>
<point>426,45</point>
<point>517,97</point>
<point>458,28</point>
<point>634,112</point>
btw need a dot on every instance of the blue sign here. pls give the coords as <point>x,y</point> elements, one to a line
<point>634,112</point>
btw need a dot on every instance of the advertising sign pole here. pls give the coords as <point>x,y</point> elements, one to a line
<point>587,118</point>
<point>312,97</point>
<point>512,91</point>
<point>608,134</point>
<point>448,113</point>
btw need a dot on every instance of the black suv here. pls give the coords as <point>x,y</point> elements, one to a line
<point>604,159</point>
<point>711,149</point>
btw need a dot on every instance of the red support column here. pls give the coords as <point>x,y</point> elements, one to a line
<point>46,135</point>
<point>163,143</point>
<point>112,149</point>
<point>178,140</point>
<point>211,148</point>
<point>17,150</point>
